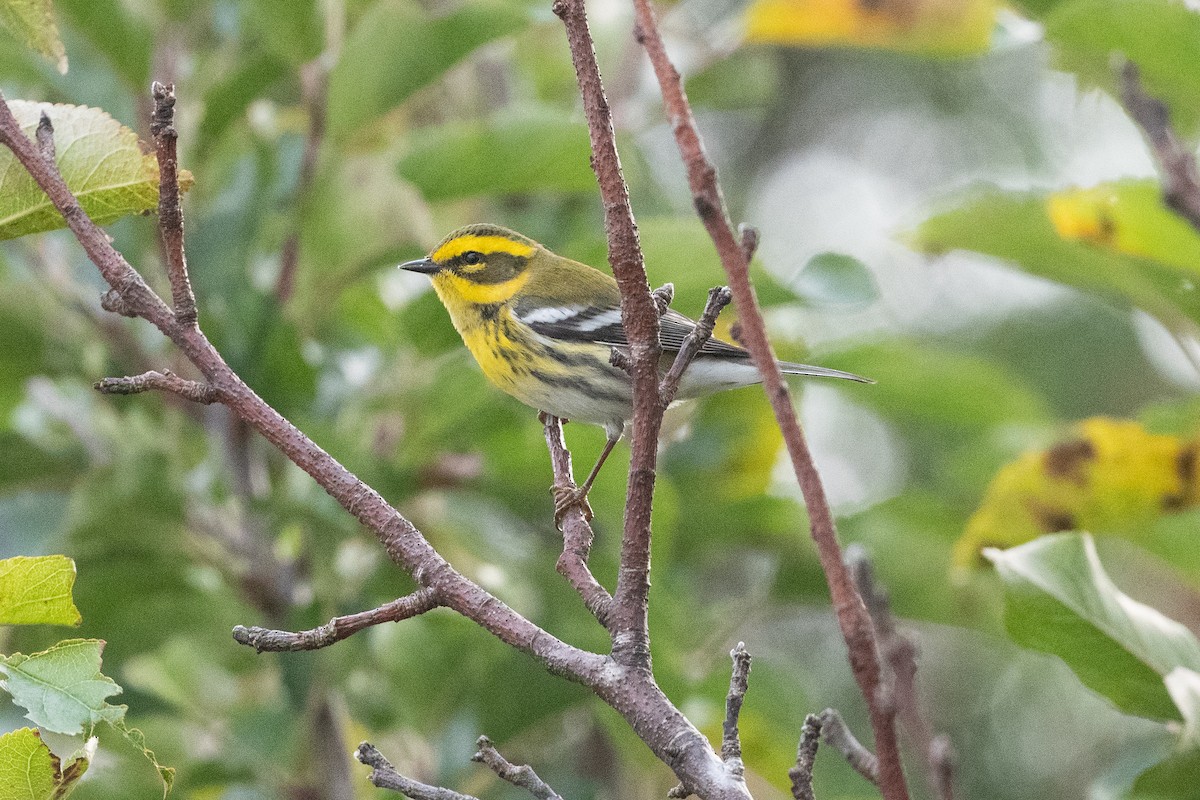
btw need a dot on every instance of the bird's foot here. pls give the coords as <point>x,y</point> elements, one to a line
<point>568,497</point>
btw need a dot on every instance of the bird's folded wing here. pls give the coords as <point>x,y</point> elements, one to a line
<point>603,326</point>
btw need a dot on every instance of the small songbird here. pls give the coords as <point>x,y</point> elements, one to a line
<point>543,328</point>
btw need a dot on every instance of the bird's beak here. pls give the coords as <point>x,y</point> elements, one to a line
<point>420,265</point>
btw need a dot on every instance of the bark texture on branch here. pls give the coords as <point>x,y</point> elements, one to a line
<point>710,205</point>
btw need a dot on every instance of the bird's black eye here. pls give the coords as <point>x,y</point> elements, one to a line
<point>472,257</point>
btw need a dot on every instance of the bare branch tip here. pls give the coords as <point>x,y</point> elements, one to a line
<point>749,239</point>
<point>663,296</point>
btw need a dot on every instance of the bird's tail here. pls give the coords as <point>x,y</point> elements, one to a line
<point>820,372</point>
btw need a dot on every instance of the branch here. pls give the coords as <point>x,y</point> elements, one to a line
<point>836,734</point>
<point>900,654</point>
<point>801,775</point>
<point>385,776</point>
<point>627,685</point>
<point>403,542</point>
<point>718,298</point>
<point>1180,179</point>
<point>628,620</point>
<point>314,87</point>
<point>170,213</point>
<point>521,776</point>
<point>710,205</point>
<point>942,757</point>
<point>165,381</point>
<point>577,531</point>
<point>731,743</point>
<point>338,628</point>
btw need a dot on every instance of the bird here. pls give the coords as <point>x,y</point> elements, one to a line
<point>543,328</point>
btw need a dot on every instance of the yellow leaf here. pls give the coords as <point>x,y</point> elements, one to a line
<point>1113,476</point>
<point>933,26</point>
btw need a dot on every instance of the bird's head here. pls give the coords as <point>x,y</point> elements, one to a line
<point>479,264</point>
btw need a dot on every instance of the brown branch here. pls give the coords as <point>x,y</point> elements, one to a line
<point>521,776</point>
<point>731,742</point>
<point>628,620</point>
<point>338,628</point>
<point>165,381</point>
<point>899,653</point>
<point>706,194</point>
<point>403,542</point>
<point>942,757</point>
<point>129,290</point>
<point>836,733</point>
<point>1180,178</point>
<point>801,775</point>
<point>627,685</point>
<point>384,775</point>
<point>170,212</point>
<point>693,343</point>
<point>577,531</point>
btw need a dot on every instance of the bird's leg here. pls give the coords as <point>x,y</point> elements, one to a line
<point>566,497</point>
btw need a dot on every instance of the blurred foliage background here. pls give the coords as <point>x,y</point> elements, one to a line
<point>950,200</point>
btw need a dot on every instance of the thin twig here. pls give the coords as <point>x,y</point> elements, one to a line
<point>170,212</point>
<point>801,775</point>
<point>739,681</point>
<point>384,775</point>
<point>898,651</point>
<point>663,296</point>
<point>577,531</point>
<point>748,235</point>
<point>45,138</point>
<point>693,343</point>
<point>710,205</point>
<point>403,542</point>
<point>1180,178</point>
<point>629,688</point>
<point>338,628</point>
<point>165,381</point>
<point>130,291</point>
<point>519,775</point>
<point>943,758</point>
<point>836,733</point>
<point>314,84</point>
<point>629,619</point>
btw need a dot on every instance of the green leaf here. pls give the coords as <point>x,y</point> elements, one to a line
<point>99,158</point>
<point>29,770</point>
<point>508,154</point>
<point>120,34</point>
<point>138,739</point>
<point>1173,779</point>
<point>1060,600</point>
<point>37,591</point>
<point>292,30</point>
<point>32,21</point>
<point>1161,36</point>
<point>62,688</point>
<point>397,48</point>
<point>1019,227</point>
<point>835,279</point>
<point>928,383</point>
<point>241,83</point>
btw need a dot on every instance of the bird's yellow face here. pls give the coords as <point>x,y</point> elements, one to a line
<point>478,265</point>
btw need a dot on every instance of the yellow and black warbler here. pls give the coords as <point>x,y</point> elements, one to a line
<point>542,328</point>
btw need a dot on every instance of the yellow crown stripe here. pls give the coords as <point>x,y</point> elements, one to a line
<point>482,293</point>
<point>482,244</point>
